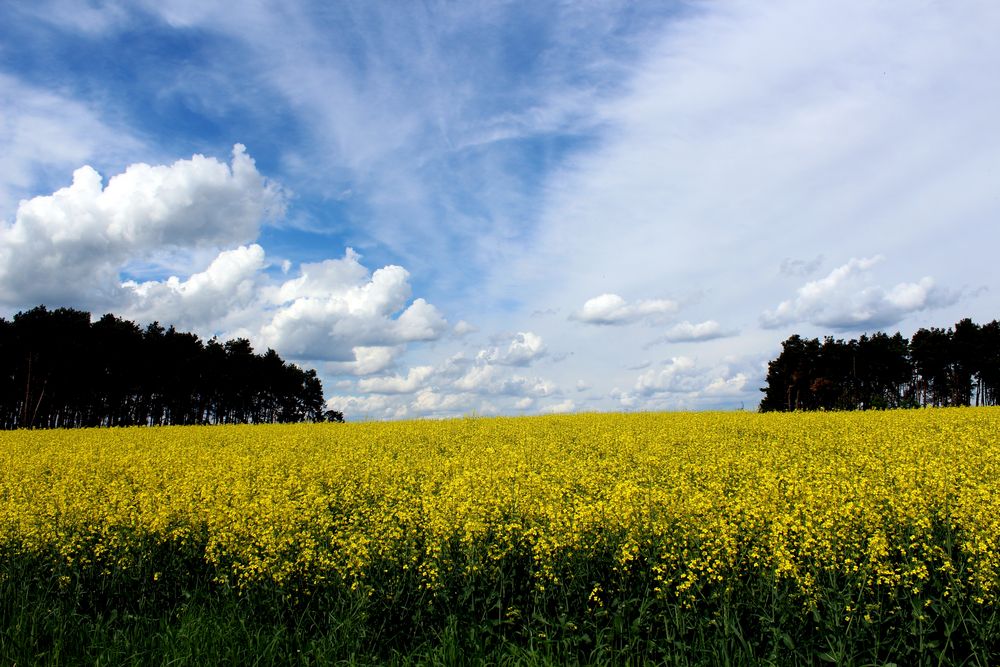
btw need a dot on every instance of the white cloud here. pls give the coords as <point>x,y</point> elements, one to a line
<point>559,408</point>
<point>334,307</point>
<point>430,402</point>
<point>69,247</point>
<point>206,298</point>
<point>463,328</point>
<point>733,386</point>
<point>684,384</point>
<point>44,132</point>
<point>522,350</point>
<point>333,311</point>
<point>414,380</point>
<point>455,386</point>
<point>846,299</point>
<point>72,247</point>
<point>490,379</point>
<point>686,332</point>
<point>367,360</point>
<point>367,407</point>
<point>613,309</point>
<point>679,375</point>
<point>317,279</point>
<point>478,378</point>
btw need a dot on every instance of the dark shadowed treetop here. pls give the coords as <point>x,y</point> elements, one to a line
<point>936,367</point>
<point>59,369</point>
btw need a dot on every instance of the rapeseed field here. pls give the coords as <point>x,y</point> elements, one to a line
<point>598,538</point>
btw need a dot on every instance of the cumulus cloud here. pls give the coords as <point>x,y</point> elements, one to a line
<point>228,284</point>
<point>679,375</point>
<point>458,385</point>
<point>69,247</point>
<point>682,383</point>
<point>430,402</point>
<point>490,379</point>
<point>73,247</point>
<point>732,386</point>
<point>367,360</point>
<point>396,384</point>
<point>686,332</point>
<point>333,311</point>
<point>463,328</point>
<point>611,309</point>
<point>365,407</point>
<point>335,306</point>
<point>559,408</point>
<point>522,350</point>
<point>846,299</point>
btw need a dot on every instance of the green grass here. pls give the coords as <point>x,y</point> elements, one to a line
<point>102,620</point>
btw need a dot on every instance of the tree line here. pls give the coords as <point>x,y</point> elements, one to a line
<point>60,370</point>
<point>935,367</point>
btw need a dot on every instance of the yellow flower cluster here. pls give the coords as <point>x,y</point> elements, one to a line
<point>876,500</point>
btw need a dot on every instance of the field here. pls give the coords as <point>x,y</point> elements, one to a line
<point>687,539</point>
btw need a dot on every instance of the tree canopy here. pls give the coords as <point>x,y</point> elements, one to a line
<point>935,367</point>
<point>58,369</point>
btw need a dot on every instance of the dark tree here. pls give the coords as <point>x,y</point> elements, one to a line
<point>57,369</point>
<point>936,367</point>
<point>988,376</point>
<point>930,350</point>
<point>883,371</point>
<point>790,377</point>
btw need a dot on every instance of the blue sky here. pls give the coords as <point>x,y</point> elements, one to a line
<point>505,208</point>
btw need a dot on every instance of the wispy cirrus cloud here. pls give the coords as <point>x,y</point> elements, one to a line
<point>45,134</point>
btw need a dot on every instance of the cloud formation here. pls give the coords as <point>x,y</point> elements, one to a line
<point>525,348</point>
<point>368,360</point>
<point>846,300</point>
<point>710,149</point>
<point>334,306</point>
<point>686,332</point>
<point>458,385</point>
<point>682,383</point>
<point>611,309</point>
<point>70,247</point>
<point>396,384</point>
<point>45,133</point>
<point>207,298</point>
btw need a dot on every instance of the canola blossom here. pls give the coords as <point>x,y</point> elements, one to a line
<point>871,504</point>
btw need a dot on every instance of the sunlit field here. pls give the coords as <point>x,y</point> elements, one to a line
<point>709,538</point>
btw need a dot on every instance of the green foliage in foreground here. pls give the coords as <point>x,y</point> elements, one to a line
<point>103,620</point>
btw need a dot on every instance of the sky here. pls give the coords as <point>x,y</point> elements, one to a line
<point>505,207</point>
